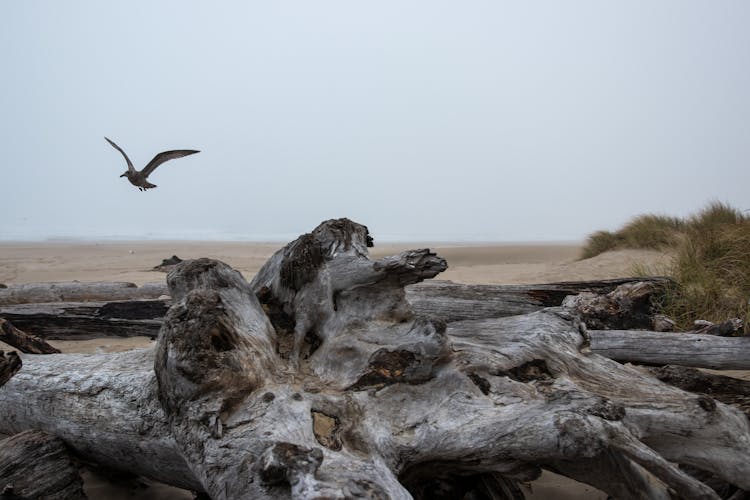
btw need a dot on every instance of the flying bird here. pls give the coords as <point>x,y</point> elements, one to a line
<point>138,177</point>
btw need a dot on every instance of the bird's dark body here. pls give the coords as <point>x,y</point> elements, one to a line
<point>138,177</point>
<point>139,180</point>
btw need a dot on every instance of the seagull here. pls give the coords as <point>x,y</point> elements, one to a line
<point>138,178</point>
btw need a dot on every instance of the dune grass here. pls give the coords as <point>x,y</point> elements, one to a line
<point>711,264</point>
<point>645,231</point>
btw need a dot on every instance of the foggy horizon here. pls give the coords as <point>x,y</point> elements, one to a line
<point>428,121</point>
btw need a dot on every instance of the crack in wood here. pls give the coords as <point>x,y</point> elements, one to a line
<point>530,371</point>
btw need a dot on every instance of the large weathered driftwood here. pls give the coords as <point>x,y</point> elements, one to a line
<point>57,315</point>
<point>103,406</point>
<point>333,387</point>
<point>664,348</point>
<point>36,465</point>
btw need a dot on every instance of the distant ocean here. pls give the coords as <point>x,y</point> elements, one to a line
<point>84,236</point>
<point>94,236</point>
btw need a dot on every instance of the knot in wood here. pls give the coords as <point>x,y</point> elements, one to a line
<point>608,410</point>
<point>286,462</point>
<point>577,437</point>
<point>9,366</point>
<point>707,403</point>
<point>530,371</point>
<point>482,383</point>
<point>386,367</point>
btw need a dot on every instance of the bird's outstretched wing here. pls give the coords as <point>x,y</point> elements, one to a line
<point>130,164</point>
<point>166,156</point>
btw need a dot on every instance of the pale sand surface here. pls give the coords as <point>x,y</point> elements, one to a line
<point>132,261</point>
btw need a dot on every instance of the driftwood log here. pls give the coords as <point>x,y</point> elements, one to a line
<point>330,386</point>
<point>663,348</point>
<point>86,320</point>
<point>33,464</point>
<point>22,341</point>
<point>440,300</point>
<point>450,301</point>
<point>75,291</point>
<point>43,309</point>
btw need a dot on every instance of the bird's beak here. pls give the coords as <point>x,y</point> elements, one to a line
<point>123,175</point>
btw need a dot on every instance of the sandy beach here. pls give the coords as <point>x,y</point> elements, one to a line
<point>133,261</point>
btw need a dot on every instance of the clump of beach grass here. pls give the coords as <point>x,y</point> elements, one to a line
<point>711,264</point>
<point>645,231</point>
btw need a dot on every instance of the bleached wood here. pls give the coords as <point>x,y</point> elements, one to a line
<point>663,348</point>
<point>104,406</point>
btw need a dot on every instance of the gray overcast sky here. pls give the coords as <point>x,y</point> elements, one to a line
<point>438,120</point>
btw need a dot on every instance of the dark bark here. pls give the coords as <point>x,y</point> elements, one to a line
<point>627,307</point>
<point>35,465</point>
<point>729,390</point>
<point>86,320</point>
<point>734,327</point>
<point>22,341</point>
<point>9,365</point>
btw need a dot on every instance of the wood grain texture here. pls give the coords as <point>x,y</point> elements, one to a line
<point>663,348</point>
<point>34,464</point>
<point>87,320</point>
